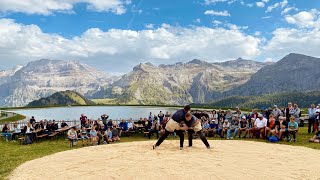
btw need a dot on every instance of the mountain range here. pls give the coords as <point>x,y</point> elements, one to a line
<point>195,81</point>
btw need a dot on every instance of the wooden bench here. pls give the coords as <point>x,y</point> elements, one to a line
<point>51,136</point>
<point>41,136</point>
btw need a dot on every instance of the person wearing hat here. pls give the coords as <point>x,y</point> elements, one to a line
<point>260,125</point>
<point>225,127</point>
<point>243,125</point>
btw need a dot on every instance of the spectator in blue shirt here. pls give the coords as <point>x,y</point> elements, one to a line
<point>123,127</point>
<point>311,118</point>
<point>293,127</point>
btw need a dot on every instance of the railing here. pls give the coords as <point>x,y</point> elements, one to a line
<point>70,123</point>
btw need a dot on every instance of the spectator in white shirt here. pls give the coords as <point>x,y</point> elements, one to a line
<point>260,125</point>
<point>130,127</point>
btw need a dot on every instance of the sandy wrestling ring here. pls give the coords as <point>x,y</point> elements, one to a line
<point>226,160</point>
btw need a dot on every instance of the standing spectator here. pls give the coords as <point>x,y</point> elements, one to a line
<point>110,123</point>
<point>260,125</point>
<point>288,110</point>
<point>295,112</point>
<point>205,127</point>
<point>161,117</point>
<point>276,112</point>
<point>54,125</point>
<point>83,119</point>
<point>254,114</point>
<point>311,118</point>
<point>151,116</point>
<point>32,120</point>
<point>104,119</point>
<point>293,128</point>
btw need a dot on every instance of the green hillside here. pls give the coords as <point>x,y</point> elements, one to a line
<point>62,98</point>
<point>304,99</point>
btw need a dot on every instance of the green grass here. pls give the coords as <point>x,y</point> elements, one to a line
<point>15,118</point>
<point>12,154</point>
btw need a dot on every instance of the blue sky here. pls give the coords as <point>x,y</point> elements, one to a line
<point>124,33</point>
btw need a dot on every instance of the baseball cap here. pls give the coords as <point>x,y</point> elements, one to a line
<point>226,120</point>
<point>260,115</point>
<point>243,117</point>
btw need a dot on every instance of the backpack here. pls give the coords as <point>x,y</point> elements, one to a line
<point>273,139</point>
<point>27,140</point>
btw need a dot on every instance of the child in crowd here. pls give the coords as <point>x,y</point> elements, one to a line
<point>293,128</point>
<point>72,136</point>
<point>225,127</point>
<point>84,136</point>
<point>93,135</point>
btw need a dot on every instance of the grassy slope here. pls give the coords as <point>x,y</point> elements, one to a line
<point>12,154</point>
<point>15,118</point>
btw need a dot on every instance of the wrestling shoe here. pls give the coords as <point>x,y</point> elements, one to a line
<point>181,148</point>
<point>208,147</point>
<point>155,147</point>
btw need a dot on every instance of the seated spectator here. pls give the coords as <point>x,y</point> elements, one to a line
<point>316,138</point>
<point>72,136</point>
<point>28,129</point>
<point>233,128</point>
<point>83,119</point>
<point>244,125</point>
<point>93,135</point>
<point>259,126</point>
<point>6,132</point>
<point>212,128</point>
<point>130,127</point>
<point>225,127</point>
<point>84,136</point>
<point>271,125</point>
<point>16,131</point>
<point>293,128</point>
<point>123,127</point>
<point>283,128</point>
<point>64,124</point>
<point>115,134</point>
<point>219,129</point>
<point>108,135</point>
<point>154,129</point>
<point>54,125</point>
<point>205,127</point>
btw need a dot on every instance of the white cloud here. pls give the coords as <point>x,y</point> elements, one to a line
<point>305,19</point>
<point>260,4</point>
<point>207,2</point>
<point>48,7</point>
<point>197,20</point>
<point>281,4</point>
<point>124,48</point>
<point>149,26</point>
<point>288,9</point>
<point>246,4</point>
<point>217,13</point>
<point>257,33</point>
<point>266,17</point>
<point>285,41</point>
<point>265,1</point>
<point>216,22</point>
